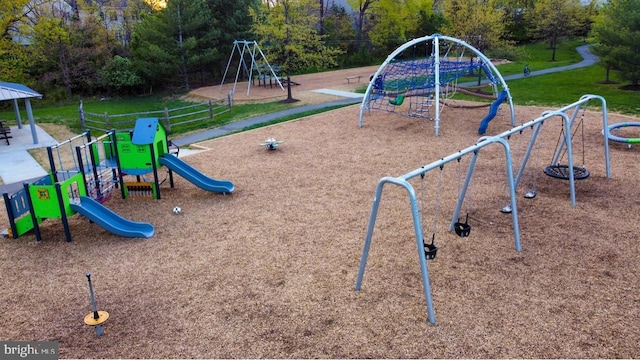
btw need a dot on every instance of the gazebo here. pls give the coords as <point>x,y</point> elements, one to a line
<point>12,91</point>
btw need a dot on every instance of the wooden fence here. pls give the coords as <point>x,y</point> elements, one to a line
<point>201,115</point>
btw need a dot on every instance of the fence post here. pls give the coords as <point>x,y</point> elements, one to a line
<point>106,122</point>
<point>167,120</point>
<point>230,99</point>
<point>81,113</point>
<point>212,114</point>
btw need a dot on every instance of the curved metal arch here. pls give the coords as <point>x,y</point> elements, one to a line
<point>435,38</point>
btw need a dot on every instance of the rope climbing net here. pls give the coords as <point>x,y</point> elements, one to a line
<point>425,73</point>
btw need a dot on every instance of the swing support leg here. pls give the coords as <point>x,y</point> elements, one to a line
<point>463,191</point>
<point>419,240</point>
<point>527,154</point>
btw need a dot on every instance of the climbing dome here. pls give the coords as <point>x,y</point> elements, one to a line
<point>420,77</point>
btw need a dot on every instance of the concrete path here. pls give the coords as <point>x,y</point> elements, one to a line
<point>17,166</point>
<point>588,59</point>
<point>239,125</point>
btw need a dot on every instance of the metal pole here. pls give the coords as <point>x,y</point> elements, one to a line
<point>94,306</point>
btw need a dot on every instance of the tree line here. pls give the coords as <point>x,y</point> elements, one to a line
<point>124,47</point>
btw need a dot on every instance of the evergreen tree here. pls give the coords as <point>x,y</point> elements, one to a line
<point>233,21</point>
<point>188,38</point>
<point>168,44</point>
<point>617,32</point>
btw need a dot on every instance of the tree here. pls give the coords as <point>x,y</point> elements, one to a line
<point>338,28</point>
<point>480,23</point>
<point>153,51</point>
<point>168,44</point>
<point>234,21</point>
<point>14,56</point>
<point>386,24</point>
<point>187,38</point>
<point>118,76</point>
<point>290,26</point>
<point>362,8</point>
<point>516,26</point>
<point>394,23</point>
<point>127,19</point>
<point>585,18</point>
<point>553,19</point>
<point>428,21</point>
<point>68,49</point>
<point>617,32</point>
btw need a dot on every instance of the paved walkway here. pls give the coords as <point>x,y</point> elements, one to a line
<point>20,167</point>
<point>239,125</point>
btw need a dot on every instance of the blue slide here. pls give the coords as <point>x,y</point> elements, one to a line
<point>111,221</point>
<point>493,110</point>
<point>194,176</point>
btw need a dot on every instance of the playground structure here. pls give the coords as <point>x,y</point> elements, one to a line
<point>82,181</point>
<point>271,143</point>
<point>426,71</point>
<point>426,251</point>
<point>251,61</point>
<point>608,132</point>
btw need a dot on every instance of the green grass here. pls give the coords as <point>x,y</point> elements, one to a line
<point>563,88</point>
<point>538,57</point>
<point>68,113</point>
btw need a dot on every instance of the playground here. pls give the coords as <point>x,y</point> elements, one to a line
<point>269,271</point>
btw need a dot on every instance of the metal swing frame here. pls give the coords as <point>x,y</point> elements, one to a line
<point>403,181</point>
<point>253,49</point>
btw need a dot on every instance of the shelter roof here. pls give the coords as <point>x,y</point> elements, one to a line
<point>10,91</point>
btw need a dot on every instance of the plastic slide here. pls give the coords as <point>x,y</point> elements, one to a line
<point>111,221</point>
<point>493,110</point>
<point>194,176</point>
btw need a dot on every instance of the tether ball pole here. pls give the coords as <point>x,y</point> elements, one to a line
<point>95,318</point>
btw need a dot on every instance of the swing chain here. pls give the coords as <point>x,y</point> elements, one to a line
<point>437,204</point>
<point>463,229</point>
<point>430,250</point>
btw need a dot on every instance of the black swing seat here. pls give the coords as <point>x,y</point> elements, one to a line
<point>562,172</point>
<point>430,250</point>
<point>462,229</point>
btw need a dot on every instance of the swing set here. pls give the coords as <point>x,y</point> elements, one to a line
<point>428,251</point>
<point>251,60</point>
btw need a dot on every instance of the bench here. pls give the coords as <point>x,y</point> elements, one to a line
<point>5,133</point>
<point>349,78</point>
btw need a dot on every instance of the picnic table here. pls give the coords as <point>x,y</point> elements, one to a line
<point>265,76</point>
<point>5,132</point>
